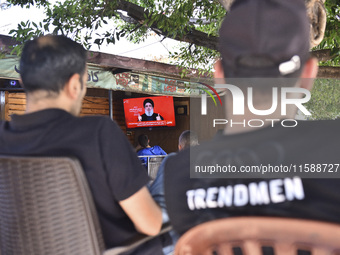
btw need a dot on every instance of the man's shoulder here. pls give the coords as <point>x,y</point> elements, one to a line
<point>144,151</point>
<point>95,126</point>
<point>178,160</point>
<point>139,152</point>
<point>325,124</point>
<point>157,148</point>
<point>154,115</point>
<point>97,121</point>
<point>3,123</point>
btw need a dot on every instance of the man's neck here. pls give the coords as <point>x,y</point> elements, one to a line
<point>41,100</point>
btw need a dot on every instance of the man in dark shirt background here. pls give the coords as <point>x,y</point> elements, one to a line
<point>54,75</point>
<point>264,45</point>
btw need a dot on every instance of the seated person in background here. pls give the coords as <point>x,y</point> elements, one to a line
<point>149,115</point>
<point>147,150</point>
<point>266,39</point>
<point>54,75</point>
<point>186,139</point>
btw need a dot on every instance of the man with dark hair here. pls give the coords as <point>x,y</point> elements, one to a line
<point>149,115</point>
<point>147,150</point>
<point>258,164</point>
<point>54,75</point>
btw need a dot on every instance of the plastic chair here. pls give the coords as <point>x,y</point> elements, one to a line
<point>46,208</point>
<point>153,165</point>
<point>261,235</point>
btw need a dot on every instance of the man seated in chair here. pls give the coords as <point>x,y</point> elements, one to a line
<point>147,150</point>
<point>54,75</point>
<point>244,170</point>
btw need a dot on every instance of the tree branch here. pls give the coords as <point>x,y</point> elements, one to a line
<point>323,55</point>
<point>127,19</point>
<point>226,3</point>
<point>329,72</point>
<point>315,9</point>
<point>192,35</point>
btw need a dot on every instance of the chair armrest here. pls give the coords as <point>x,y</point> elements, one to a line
<point>136,241</point>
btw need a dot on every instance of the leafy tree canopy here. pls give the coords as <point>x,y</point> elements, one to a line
<point>195,23</point>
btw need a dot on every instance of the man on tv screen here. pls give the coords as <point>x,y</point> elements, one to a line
<point>149,115</point>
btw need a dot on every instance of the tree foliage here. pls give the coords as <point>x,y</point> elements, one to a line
<point>325,99</point>
<point>195,23</point>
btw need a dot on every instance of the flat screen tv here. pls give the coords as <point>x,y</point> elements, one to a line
<point>155,111</point>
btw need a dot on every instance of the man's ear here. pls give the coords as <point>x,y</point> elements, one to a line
<point>21,83</point>
<point>73,86</point>
<point>309,72</point>
<point>219,73</point>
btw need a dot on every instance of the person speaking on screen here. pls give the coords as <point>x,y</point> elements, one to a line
<point>149,115</point>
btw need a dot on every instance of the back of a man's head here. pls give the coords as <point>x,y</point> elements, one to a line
<point>48,62</point>
<point>265,38</point>
<point>187,139</point>
<point>143,140</point>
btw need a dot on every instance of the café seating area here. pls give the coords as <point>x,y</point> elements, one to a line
<point>47,208</point>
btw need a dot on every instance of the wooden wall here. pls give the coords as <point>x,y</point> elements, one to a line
<point>16,104</point>
<point>95,106</point>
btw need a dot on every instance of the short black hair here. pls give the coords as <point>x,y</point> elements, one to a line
<point>148,100</point>
<point>48,62</point>
<point>143,140</point>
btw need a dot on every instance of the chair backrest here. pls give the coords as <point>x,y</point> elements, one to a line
<point>261,235</point>
<point>153,165</point>
<point>46,208</point>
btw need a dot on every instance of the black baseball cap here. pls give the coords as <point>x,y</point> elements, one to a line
<point>264,38</point>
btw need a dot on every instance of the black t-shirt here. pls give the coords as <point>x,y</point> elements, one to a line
<point>311,147</point>
<point>111,166</point>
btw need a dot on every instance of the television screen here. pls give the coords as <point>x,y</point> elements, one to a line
<point>157,111</point>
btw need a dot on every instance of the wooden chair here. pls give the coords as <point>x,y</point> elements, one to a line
<point>261,235</point>
<point>46,208</point>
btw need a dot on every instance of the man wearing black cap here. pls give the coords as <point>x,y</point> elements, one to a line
<point>149,115</point>
<point>264,162</point>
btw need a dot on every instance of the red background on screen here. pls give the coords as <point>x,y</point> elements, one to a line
<point>164,105</point>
